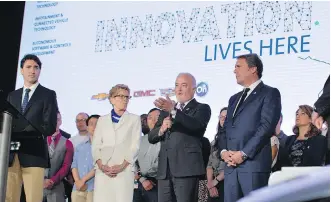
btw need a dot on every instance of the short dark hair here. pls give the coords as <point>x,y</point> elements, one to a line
<point>253,60</point>
<point>154,109</point>
<point>143,116</point>
<point>144,125</point>
<point>31,57</point>
<point>92,116</point>
<point>223,109</point>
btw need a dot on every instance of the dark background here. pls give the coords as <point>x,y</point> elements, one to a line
<point>11,20</point>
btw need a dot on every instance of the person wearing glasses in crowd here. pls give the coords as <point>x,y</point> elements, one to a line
<point>82,135</point>
<point>114,149</point>
<point>82,166</point>
<point>215,167</point>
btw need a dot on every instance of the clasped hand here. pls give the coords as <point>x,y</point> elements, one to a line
<point>232,158</point>
<point>112,171</point>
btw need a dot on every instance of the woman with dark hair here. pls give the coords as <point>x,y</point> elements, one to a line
<point>220,127</point>
<point>307,147</point>
<point>215,167</point>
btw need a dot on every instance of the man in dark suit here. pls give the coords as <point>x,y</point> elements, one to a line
<point>65,134</point>
<point>39,106</point>
<point>180,129</point>
<point>322,114</point>
<point>251,121</point>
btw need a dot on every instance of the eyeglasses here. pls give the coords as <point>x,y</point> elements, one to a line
<point>123,97</point>
<point>80,120</point>
<point>220,116</point>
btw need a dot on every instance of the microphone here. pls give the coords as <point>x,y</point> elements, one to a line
<point>168,131</point>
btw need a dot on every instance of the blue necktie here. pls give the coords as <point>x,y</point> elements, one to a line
<point>26,99</point>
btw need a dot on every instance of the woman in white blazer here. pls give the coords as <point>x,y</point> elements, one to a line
<point>114,149</point>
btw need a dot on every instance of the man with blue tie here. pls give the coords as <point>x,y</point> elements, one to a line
<point>252,118</point>
<point>39,106</point>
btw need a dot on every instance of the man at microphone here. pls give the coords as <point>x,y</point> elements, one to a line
<point>180,128</point>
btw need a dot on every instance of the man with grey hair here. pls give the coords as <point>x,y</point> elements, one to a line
<point>180,128</point>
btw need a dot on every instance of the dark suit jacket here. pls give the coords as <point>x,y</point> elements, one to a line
<point>313,155</point>
<point>182,146</point>
<point>206,148</point>
<point>252,127</point>
<point>322,105</point>
<point>65,134</point>
<point>41,111</point>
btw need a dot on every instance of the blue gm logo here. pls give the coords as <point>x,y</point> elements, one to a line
<point>202,89</point>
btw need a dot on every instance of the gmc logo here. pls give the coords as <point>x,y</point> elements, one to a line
<point>142,93</point>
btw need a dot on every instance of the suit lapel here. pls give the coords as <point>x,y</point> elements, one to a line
<point>234,105</point>
<point>122,120</point>
<point>190,106</point>
<point>111,125</point>
<point>34,97</point>
<point>17,101</point>
<point>250,98</point>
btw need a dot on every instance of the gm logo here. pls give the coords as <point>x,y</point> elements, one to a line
<point>202,89</point>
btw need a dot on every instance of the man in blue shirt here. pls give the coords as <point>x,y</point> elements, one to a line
<point>83,168</point>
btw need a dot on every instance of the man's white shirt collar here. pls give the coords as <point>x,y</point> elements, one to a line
<point>32,88</point>
<point>253,86</point>
<point>178,104</point>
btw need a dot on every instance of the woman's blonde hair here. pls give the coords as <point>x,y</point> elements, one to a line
<point>114,90</point>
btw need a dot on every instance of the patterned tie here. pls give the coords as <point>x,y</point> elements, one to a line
<point>181,106</point>
<point>26,99</point>
<point>51,147</point>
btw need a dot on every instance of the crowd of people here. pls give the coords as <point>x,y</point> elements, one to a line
<point>161,155</point>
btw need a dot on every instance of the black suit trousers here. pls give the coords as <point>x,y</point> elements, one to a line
<point>178,189</point>
<point>141,195</point>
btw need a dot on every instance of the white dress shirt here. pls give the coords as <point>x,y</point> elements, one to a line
<point>32,89</point>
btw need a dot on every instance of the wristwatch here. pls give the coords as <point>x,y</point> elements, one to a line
<point>244,156</point>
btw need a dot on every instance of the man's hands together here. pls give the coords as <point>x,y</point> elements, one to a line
<point>232,158</point>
